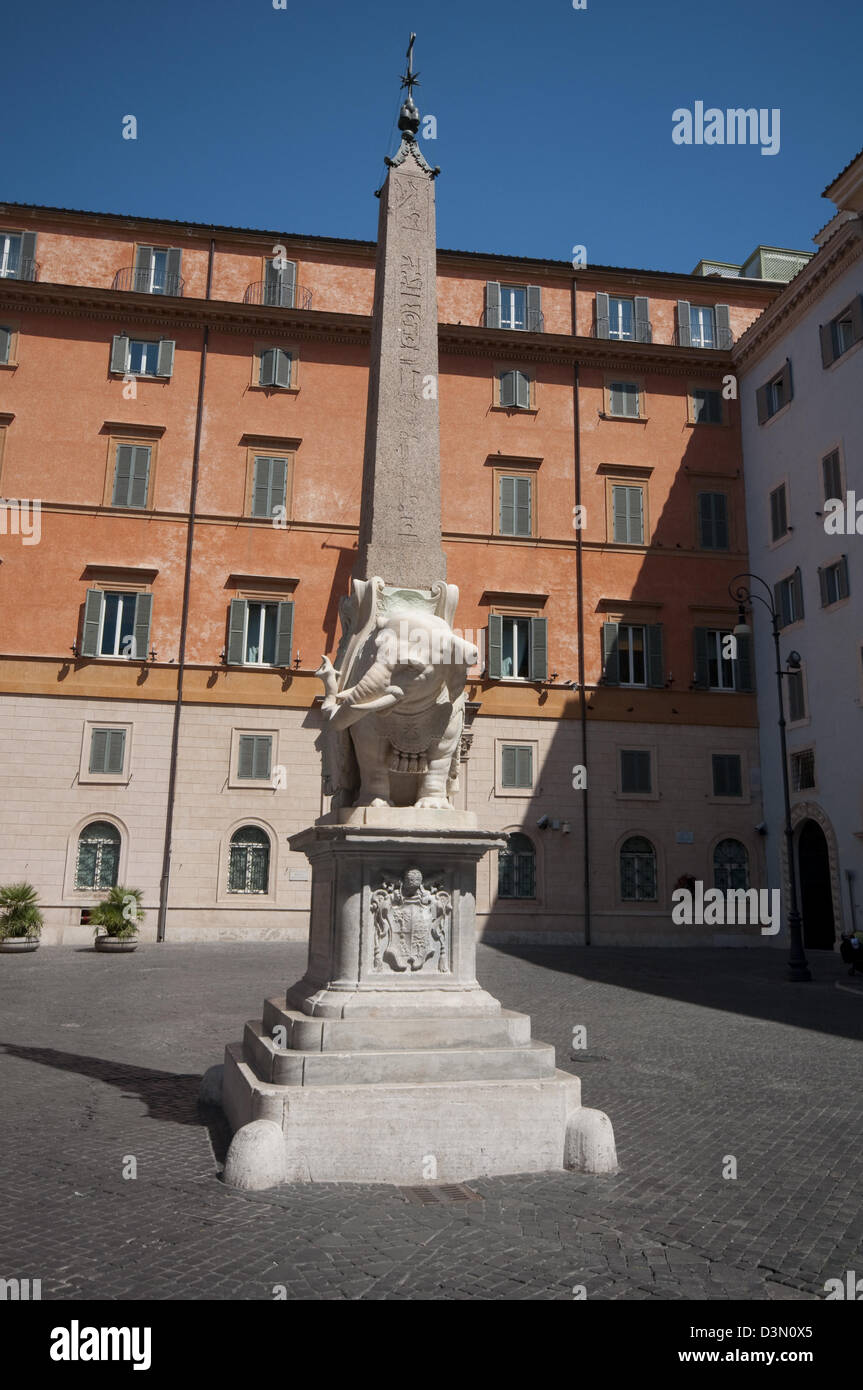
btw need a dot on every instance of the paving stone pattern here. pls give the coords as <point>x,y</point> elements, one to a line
<point>697,1056</point>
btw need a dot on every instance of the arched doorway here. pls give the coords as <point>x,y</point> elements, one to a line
<point>816,889</point>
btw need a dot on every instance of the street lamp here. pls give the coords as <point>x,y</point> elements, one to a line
<point>741,592</point>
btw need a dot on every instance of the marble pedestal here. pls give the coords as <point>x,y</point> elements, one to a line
<point>388,1062</point>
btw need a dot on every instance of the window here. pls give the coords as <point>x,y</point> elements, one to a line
<point>637,870</point>
<point>776,393</point>
<point>796,697</point>
<point>831,470</point>
<point>712,520</point>
<point>628,510</point>
<point>515,390</point>
<point>17,252</point>
<point>7,334</point>
<point>803,770</point>
<point>157,270</point>
<point>624,319</point>
<point>275,367</point>
<point>107,751</point>
<point>254,757</point>
<point>842,332</point>
<point>635,772</point>
<point>142,356</point>
<point>117,624</point>
<point>703,326</point>
<point>715,666</point>
<point>632,654</point>
<point>788,598</point>
<point>834,582</point>
<point>98,860</point>
<point>706,406</point>
<point>778,512</point>
<point>249,861</point>
<point>516,765</point>
<point>517,648</point>
<point>515,500</point>
<point>727,774</point>
<point>131,475</point>
<point>280,282</point>
<point>513,306</point>
<point>730,866</point>
<point>269,486</point>
<point>260,632</point>
<point>624,399</point>
<point>516,868</point>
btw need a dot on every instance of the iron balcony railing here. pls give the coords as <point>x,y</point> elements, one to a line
<point>140,280</point>
<point>533,321</point>
<point>278,296</point>
<point>24,269</point>
<point>723,339</point>
<point>643,334</point>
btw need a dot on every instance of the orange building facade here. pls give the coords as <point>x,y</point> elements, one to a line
<point>182,416</point>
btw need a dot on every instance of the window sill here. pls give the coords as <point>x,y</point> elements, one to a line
<point>276,390</point>
<point>137,376</point>
<point>715,424</point>
<point>636,796</point>
<point>729,800</point>
<point>516,409</point>
<point>627,419</point>
<point>93,779</point>
<point>8,366</point>
<point>845,355</point>
<point>783,410</point>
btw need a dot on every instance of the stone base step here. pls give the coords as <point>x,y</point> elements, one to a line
<point>304,1034</point>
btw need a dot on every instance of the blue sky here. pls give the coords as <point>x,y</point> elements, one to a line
<point>553,125</point>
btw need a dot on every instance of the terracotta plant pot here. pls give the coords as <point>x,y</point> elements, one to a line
<point>17,945</point>
<point>115,944</point>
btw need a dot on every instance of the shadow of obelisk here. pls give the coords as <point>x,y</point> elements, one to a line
<point>388,1062</point>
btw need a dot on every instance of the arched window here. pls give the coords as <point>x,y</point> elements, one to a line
<point>516,868</point>
<point>637,870</point>
<point>730,865</point>
<point>249,866</point>
<point>98,861</point>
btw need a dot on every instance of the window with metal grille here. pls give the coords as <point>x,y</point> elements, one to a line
<point>727,774</point>
<point>831,468</point>
<point>98,859</point>
<point>803,770</point>
<point>623,399</point>
<point>516,868</point>
<point>706,406</point>
<point>516,765</point>
<point>254,756</point>
<point>778,512</point>
<point>713,520</point>
<point>249,863</point>
<point>635,772</point>
<point>637,870</point>
<point>730,866</point>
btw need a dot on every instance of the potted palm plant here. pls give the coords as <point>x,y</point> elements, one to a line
<point>20,917</point>
<point>116,919</point>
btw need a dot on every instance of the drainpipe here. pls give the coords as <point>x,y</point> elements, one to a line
<point>184,620</point>
<point>579,599</point>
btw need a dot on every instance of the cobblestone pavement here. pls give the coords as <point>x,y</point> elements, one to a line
<point>698,1057</point>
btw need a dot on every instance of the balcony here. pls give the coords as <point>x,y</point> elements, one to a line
<point>23,269</point>
<point>533,321</point>
<point>722,339</point>
<point>641,333</point>
<point>140,280</point>
<point>278,296</point>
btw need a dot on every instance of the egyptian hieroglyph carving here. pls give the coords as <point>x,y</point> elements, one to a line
<point>394,711</point>
<point>411,924</point>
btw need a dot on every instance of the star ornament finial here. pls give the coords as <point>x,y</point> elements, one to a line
<point>410,79</point>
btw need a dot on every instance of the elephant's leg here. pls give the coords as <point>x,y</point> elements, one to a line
<point>373,758</point>
<point>432,790</point>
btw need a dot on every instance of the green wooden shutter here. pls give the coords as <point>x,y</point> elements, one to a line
<point>119,352</point>
<point>140,476</point>
<point>287,284</point>
<point>797,583</point>
<point>278,484</point>
<point>787,382</point>
<point>492,304</point>
<point>655,666</point>
<point>524,767</point>
<point>635,508</point>
<point>621,514</point>
<point>261,490</point>
<point>92,619</point>
<point>173,261</point>
<point>723,326</point>
<point>246,756</point>
<point>761,404</point>
<point>116,751</point>
<point>99,751</point>
<point>705,520</point>
<point>123,475</point>
<point>5,344</point>
<point>720,520</point>
<point>27,264</point>
<point>165,361</point>
<point>268,367</point>
<point>538,649</point>
<point>143,610</point>
<point>522,385</point>
<point>796,702</point>
<point>822,584</point>
<point>495,646</point>
<point>522,506</point>
<point>844,587</point>
<point>508,767</point>
<point>701,677</point>
<point>827,354</point>
<point>282,375</point>
<point>642,319</point>
<point>533,316</point>
<point>684,323</point>
<point>284,633</point>
<point>507,506</point>
<point>832,471</point>
<point>507,388</point>
<point>602,323</point>
<point>743,674</point>
<point>262,753</point>
<point>610,654</point>
<point>236,628</point>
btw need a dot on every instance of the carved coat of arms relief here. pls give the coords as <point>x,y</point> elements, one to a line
<point>411,925</point>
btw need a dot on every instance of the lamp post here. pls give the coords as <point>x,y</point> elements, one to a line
<point>741,591</point>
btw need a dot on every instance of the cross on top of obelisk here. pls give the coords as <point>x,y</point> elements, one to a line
<point>409,116</point>
<point>410,78</point>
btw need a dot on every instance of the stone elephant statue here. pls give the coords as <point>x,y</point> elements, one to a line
<point>403,713</point>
